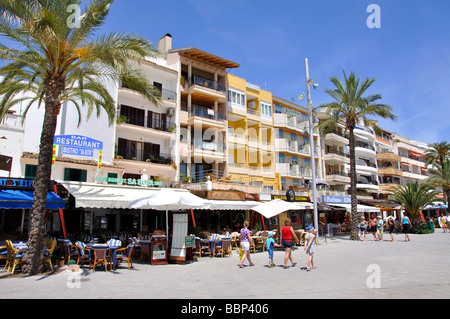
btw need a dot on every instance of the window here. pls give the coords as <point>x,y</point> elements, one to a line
<point>236,98</point>
<point>30,171</point>
<point>266,109</point>
<point>112,176</point>
<point>74,174</point>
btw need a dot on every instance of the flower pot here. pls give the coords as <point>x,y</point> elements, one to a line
<point>60,263</point>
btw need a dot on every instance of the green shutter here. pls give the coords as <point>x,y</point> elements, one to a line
<point>30,171</point>
<point>67,174</point>
<point>83,174</point>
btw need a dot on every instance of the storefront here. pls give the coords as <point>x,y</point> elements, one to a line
<point>16,203</point>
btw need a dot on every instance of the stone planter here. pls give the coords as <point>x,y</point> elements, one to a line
<point>74,268</point>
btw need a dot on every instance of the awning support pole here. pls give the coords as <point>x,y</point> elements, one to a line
<point>193,217</point>
<point>61,215</point>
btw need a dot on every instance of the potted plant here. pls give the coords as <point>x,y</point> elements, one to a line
<point>73,266</point>
<point>59,260</point>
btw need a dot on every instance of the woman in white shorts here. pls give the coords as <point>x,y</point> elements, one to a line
<point>246,240</point>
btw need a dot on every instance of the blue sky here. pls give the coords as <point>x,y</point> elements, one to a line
<point>409,55</point>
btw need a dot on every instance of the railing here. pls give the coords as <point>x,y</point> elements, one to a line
<point>198,80</point>
<point>205,112</point>
<point>142,156</point>
<point>364,145</point>
<point>337,153</point>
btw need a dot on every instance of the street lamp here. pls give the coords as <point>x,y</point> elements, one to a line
<point>310,82</point>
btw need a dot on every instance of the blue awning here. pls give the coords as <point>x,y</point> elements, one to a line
<point>16,199</point>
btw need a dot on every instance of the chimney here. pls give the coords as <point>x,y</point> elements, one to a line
<point>165,43</point>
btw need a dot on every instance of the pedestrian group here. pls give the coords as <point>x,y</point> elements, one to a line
<point>288,237</point>
<point>377,225</point>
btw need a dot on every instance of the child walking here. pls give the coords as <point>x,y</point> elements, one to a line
<point>270,244</point>
<point>310,247</point>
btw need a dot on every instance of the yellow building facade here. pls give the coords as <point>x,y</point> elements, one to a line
<point>250,135</point>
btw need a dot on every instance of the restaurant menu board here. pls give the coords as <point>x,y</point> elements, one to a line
<point>179,232</point>
<point>159,251</point>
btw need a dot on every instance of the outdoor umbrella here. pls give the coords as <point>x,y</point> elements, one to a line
<point>169,199</point>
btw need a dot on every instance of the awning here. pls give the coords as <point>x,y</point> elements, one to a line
<point>360,208</point>
<point>89,195</point>
<point>21,199</point>
<point>231,204</point>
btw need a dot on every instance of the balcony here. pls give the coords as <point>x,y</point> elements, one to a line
<point>207,113</point>
<point>197,85</point>
<point>388,156</point>
<point>337,178</point>
<point>336,157</point>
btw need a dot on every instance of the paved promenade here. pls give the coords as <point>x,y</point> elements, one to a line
<point>345,269</point>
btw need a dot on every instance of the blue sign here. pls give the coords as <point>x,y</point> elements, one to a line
<point>69,150</point>
<point>336,199</point>
<point>78,141</point>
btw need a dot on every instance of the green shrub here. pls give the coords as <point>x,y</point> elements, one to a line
<point>421,229</point>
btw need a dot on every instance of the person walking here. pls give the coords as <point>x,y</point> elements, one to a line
<point>363,228</point>
<point>246,241</point>
<point>406,223</point>
<point>310,248</point>
<point>390,222</point>
<point>373,226</point>
<point>270,244</point>
<point>287,235</point>
<point>380,225</point>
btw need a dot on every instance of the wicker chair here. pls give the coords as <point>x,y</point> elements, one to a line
<point>48,252</point>
<point>125,253</point>
<point>100,257</point>
<point>14,256</point>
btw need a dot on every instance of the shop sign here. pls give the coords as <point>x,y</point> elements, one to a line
<point>336,199</point>
<point>78,141</point>
<point>130,181</point>
<point>225,195</point>
<point>17,183</point>
<point>5,163</point>
<point>296,198</point>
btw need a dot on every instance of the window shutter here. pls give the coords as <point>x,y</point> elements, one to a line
<point>67,174</point>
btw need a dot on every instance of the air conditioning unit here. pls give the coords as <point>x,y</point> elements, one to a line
<point>252,105</point>
<point>170,111</point>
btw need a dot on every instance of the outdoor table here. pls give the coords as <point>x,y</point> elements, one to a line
<point>211,244</point>
<point>105,246</point>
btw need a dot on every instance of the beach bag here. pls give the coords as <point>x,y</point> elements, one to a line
<point>241,252</point>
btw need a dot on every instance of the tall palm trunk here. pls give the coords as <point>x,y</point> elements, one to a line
<point>354,205</point>
<point>33,259</point>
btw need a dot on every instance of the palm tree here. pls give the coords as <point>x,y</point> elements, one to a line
<point>437,152</point>
<point>351,108</point>
<point>440,177</point>
<point>53,60</point>
<point>414,196</point>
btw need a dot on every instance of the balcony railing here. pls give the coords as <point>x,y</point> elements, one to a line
<point>198,80</point>
<point>143,156</point>
<point>208,113</point>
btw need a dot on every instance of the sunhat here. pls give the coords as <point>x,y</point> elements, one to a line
<point>309,228</point>
<point>271,233</point>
